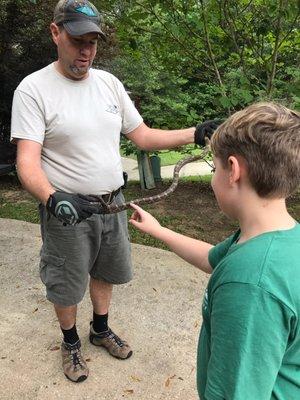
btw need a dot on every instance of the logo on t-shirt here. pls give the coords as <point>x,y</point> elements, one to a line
<point>113,109</point>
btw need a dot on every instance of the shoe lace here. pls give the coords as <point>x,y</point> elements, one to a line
<point>111,335</point>
<point>76,358</point>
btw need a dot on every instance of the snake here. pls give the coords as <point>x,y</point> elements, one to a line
<point>111,208</point>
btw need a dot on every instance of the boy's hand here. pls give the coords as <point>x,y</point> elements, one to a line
<point>144,221</point>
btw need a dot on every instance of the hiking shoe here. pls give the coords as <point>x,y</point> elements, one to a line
<point>74,366</point>
<point>113,344</point>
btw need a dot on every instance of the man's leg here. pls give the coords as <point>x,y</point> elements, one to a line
<point>112,266</point>
<point>64,269</point>
<point>74,365</point>
<point>100,333</point>
<point>101,293</point>
<point>66,316</point>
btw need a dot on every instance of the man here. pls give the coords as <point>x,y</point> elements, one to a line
<point>67,119</point>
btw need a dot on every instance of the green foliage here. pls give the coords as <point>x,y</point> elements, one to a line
<point>25,46</point>
<point>187,60</point>
<point>183,61</point>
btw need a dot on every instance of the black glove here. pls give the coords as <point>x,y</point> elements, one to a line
<point>71,208</point>
<point>206,129</point>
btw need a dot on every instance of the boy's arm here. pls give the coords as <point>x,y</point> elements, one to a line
<point>250,330</point>
<point>191,250</point>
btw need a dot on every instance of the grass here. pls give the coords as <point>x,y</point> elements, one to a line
<point>25,211</point>
<point>170,157</point>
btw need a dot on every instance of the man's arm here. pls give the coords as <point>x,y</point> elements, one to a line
<point>191,250</point>
<point>69,208</point>
<point>30,171</point>
<point>157,139</point>
<point>154,139</point>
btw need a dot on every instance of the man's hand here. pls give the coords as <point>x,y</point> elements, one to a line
<point>71,208</point>
<point>206,129</point>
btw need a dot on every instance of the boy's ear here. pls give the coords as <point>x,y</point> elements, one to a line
<point>235,169</point>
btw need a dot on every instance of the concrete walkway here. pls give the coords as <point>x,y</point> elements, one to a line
<point>158,313</point>
<point>191,169</point>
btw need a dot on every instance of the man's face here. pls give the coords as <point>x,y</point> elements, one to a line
<point>75,53</point>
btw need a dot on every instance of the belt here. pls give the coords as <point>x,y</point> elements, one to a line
<point>107,198</point>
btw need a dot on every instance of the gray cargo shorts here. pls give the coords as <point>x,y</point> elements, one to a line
<point>98,246</point>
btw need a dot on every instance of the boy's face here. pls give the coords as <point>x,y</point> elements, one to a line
<point>222,188</point>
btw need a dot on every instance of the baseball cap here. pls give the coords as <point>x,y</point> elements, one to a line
<point>78,17</point>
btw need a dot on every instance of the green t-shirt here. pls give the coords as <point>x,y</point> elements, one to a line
<point>249,345</point>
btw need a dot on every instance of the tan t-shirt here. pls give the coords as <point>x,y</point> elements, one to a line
<point>78,123</point>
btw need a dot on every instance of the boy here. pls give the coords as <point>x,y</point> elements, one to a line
<point>249,346</point>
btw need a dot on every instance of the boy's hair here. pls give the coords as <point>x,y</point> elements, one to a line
<point>267,136</point>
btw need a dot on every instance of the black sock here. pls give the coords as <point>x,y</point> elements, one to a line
<point>100,322</point>
<point>70,335</point>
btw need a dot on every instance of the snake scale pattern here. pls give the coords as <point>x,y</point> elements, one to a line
<point>113,208</point>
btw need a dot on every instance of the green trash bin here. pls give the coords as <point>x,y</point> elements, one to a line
<point>156,167</point>
<point>145,170</point>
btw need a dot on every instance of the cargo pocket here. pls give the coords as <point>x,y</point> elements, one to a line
<point>52,271</point>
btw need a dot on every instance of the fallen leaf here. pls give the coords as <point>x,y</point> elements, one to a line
<point>135,378</point>
<point>54,348</point>
<point>168,381</point>
<point>196,324</point>
<point>129,391</point>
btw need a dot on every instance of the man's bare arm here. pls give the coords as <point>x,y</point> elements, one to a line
<point>154,139</point>
<point>30,171</point>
